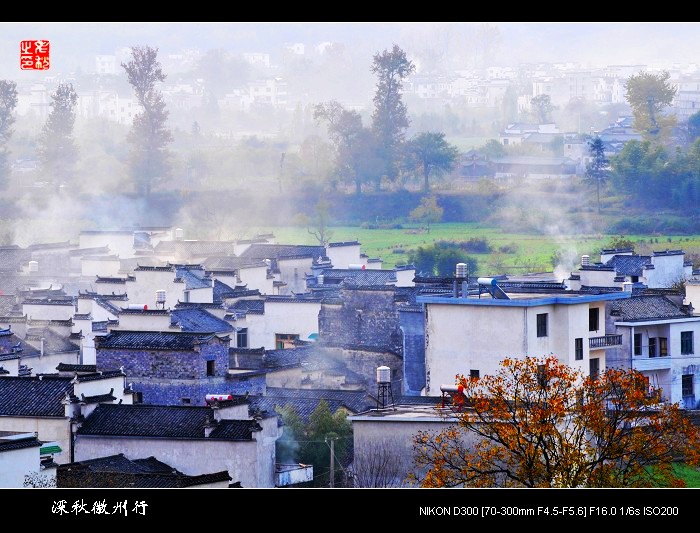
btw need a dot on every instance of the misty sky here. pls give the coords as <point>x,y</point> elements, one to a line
<point>75,44</point>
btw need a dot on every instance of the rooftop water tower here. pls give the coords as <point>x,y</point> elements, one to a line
<point>160,299</point>
<point>384,394</point>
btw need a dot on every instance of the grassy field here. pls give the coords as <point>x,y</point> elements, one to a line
<point>519,253</point>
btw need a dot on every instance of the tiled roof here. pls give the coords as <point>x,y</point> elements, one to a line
<point>7,445</point>
<point>158,421</point>
<point>198,321</point>
<point>235,430</point>
<point>652,307</point>
<point>65,367</point>
<point>360,277</point>
<point>232,263</point>
<point>355,401</point>
<point>303,406</point>
<point>344,243</point>
<point>222,291</point>
<point>33,396</point>
<point>192,280</point>
<point>8,304</point>
<point>151,340</point>
<point>105,374</point>
<point>12,258</point>
<point>282,251</point>
<point>629,265</point>
<point>48,301</point>
<point>187,248</point>
<point>252,307</point>
<point>98,398</point>
<point>117,471</point>
<point>53,343</point>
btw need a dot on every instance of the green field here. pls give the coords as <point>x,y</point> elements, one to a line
<point>522,252</point>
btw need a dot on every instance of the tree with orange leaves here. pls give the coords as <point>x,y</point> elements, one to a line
<point>540,423</point>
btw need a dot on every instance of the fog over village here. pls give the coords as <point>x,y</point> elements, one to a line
<point>358,255</point>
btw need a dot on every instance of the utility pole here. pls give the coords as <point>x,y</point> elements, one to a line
<point>332,468</point>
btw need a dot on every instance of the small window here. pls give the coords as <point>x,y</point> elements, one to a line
<point>542,324</point>
<point>186,401</point>
<point>687,342</point>
<point>137,397</point>
<point>652,346</point>
<point>594,366</point>
<point>663,346</point>
<point>593,315</point>
<point>242,338</point>
<point>211,367</point>
<point>637,344</point>
<point>687,384</point>
<point>285,340</point>
<point>578,349</point>
<point>474,374</point>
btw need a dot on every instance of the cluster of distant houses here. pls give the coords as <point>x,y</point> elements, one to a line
<point>543,138</point>
<point>139,358</point>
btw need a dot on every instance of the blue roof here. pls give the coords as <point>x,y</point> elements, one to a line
<point>197,320</point>
<point>193,278</point>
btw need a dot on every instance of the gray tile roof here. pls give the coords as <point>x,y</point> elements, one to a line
<point>645,307</point>
<point>194,248</point>
<point>117,471</point>
<point>304,407</point>
<point>194,279</point>
<point>252,307</point>
<point>232,263</point>
<point>33,396</point>
<point>12,257</point>
<point>151,340</point>
<point>53,342</point>
<point>629,265</point>
<point>359,277</point>
<point>282,251</point>
<point>198,321</point>
<point>355,401</point>
<point>158,421</point>
<point>7,445</point>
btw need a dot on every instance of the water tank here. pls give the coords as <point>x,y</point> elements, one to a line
<point>218,397</point>
<point>627,286</point>
<point>319,279</point>
<point>137,306</point>
<point>487,281</point>
<point>160,296</point>
<point>461,270</point>
<point>356,266</point>
<point>585,260</point>
<point>33,266</point>
<point>179,234</point>
<point>383,374</point>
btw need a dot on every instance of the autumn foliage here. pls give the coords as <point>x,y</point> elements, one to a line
<point>540,423</point>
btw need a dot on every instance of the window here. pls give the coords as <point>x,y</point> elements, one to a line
<point>652,346</point>
<point>594,366</point>
<point>285,340</point>
<point>663,346</point>
<point>687,384</point>
<point>138,397</point>
<point>186,401</point>
<point>687,342</point>
<point>186,296</point>
<point>578,349</point>
<point>474,374</point>
<point>593,314</point>
<point>211,368</point>
<point>637,344</point>
<point>242,338</point>
<point>542,324</point>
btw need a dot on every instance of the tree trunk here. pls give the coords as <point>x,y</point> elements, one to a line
<point>426,184</point>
